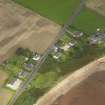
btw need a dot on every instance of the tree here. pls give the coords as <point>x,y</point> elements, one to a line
<point>45,80</point>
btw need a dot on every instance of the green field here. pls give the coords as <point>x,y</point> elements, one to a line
<point>88,21</point>
<point>61,10</point>
<point>56,10</point>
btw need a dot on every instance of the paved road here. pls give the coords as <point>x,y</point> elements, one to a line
<point>32,75</point>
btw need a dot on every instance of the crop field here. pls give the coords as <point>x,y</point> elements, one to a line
<point>24,29</point>
<point>56,10</point>
<point>97,5</point>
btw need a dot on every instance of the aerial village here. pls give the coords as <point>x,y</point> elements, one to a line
<point>24,60</point>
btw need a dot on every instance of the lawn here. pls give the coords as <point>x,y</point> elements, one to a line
<point>88,21</point>
<point>56,10</point>
<point>5,96</point>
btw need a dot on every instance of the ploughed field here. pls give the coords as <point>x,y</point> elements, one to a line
<point>19,27</point>
<point>97,5</point>
<point>90,91</point>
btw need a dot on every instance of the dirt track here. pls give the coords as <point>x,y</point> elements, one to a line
<point>89,72</point>
<point>20,27</point>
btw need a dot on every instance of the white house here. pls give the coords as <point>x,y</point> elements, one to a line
<point>36,57</point>
<point>14,84</point>
<point>67,46</point>
<point>77,34</point>
<point>57,55</point>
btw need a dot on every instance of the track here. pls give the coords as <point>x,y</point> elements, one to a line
<point>44,56</point>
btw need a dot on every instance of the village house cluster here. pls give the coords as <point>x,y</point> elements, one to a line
<point>98,37</point>
<point>59,49</point>
<point>27,67</point>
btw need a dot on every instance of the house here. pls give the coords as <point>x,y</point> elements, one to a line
<point>14,83</point>
<point>97,37</point>
<point>26,58</point>
<point>23,74</point>
<point>57,55</point>
<point>55,48</point>
<point>36,57</point>
<point>56,52</point>
<point>77,34</point>
<point>67,46</point>
<point>28,66</point>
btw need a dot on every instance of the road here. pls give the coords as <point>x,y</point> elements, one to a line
<point>35,70</point>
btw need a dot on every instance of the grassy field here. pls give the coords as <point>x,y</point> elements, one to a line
<point>56,10</point>
<point>60,10</point>
<point>3,77</point>
<point>88,21</point>
<point>5,96</point>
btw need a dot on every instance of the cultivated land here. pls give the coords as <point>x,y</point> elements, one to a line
<point>97,5</point>
<point>90,92</point>
<point>85,86</point>
<point>20,27</point>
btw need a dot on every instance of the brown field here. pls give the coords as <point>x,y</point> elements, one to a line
<point>3,77</point>
<point>85,86</point>
<point>20,27</point>
<point>5,96</point>
<point>90,91</point>
<point>97,5</point>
